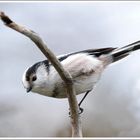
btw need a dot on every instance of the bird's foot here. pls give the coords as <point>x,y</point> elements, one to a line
<point>80,111</point>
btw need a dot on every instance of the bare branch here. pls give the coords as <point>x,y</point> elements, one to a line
<point>66,77</point>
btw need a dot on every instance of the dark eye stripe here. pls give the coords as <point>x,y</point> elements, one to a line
<point>32,70</point>
<point>27,78</point>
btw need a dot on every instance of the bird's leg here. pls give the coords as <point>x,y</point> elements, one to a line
<point>81,109</point>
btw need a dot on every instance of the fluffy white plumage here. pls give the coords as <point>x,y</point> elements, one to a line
<point>85,67</point>
<point>85,70</point>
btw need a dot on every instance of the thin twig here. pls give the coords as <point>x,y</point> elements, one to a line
<point>66,77</point>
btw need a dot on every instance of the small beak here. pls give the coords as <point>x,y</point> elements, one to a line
<point>28,89</point>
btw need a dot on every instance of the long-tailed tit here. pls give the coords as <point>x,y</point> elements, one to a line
<point>85,68</point>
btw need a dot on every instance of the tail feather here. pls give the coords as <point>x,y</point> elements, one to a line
<point>122,52</point>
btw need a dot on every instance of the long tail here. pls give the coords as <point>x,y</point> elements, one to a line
<point>122,52</point>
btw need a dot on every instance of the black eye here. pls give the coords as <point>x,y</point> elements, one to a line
<point>34,78</point>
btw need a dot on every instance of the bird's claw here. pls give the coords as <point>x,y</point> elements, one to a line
<point>80,111</point>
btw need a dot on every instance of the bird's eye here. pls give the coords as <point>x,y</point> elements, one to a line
<point>34,78</point>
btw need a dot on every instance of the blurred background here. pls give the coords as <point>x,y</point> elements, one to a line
<point>112,109</point>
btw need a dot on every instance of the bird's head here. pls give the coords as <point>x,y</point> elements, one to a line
<point>34,77</point>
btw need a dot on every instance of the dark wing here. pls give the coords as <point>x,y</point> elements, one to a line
<point>94,52</point>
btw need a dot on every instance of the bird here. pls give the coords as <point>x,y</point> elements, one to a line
<point>85,67</point>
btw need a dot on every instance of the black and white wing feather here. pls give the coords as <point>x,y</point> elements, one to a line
<point>84,62</point>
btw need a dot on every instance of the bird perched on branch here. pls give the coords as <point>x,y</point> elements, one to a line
<point>84,66</point>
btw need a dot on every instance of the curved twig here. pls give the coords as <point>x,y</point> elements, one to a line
<point>66,77</point>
